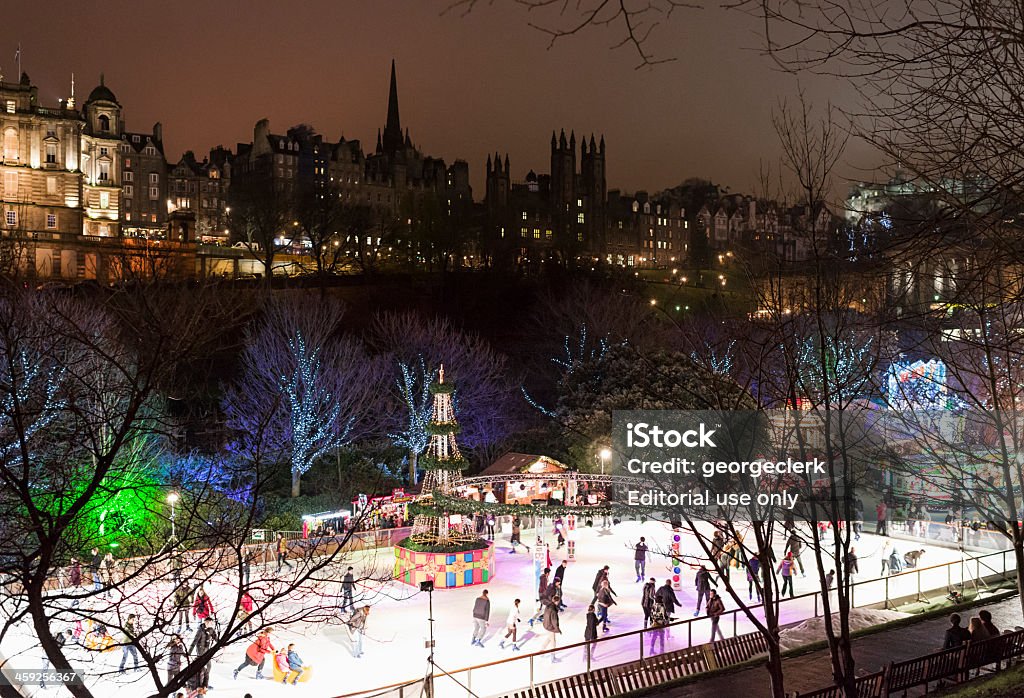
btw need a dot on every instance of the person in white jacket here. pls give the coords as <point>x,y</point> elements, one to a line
<point>512,626</point>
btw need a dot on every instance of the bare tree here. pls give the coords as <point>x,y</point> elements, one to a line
<point>260,219</point>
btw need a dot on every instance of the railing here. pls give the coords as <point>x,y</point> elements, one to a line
<point>530,669</point>
<point>952,534</point>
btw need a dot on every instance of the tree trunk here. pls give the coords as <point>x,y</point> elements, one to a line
<point>296,483</point>
<point>1018,556</point>
<point>413,460</point>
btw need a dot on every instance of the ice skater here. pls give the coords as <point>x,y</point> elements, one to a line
<point>516,538</point>
<point>640,559</point>
<point>647,600</point>
<point>590,632</point>
<point>357,630</point>
<point>512,626</point>
<point>552,627</point>
<point>481,614</point>
<point>605,600</point>
<point>702,582</point>
<point>348,585</point>
<point>256,654</point>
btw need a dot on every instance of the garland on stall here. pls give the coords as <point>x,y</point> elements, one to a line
<point>441,505</point>
<point>443,428</point>
<point>432,463</point>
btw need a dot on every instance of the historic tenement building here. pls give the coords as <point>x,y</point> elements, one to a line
<point>561,216</point>
<point>201,187</point>
<point>62,187</point>
<point>645,231</point>
<point>144,202</point>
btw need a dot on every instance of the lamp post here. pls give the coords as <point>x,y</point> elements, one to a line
<point>605,455</point>
<point>172,499</point>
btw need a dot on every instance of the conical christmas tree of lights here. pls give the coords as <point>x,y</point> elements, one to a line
<point>443,465</point>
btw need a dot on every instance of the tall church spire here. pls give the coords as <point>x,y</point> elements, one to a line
<point>393,138</point>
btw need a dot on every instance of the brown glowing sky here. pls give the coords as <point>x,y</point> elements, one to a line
<point>468,85</point>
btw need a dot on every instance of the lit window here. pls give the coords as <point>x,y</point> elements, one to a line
<point>581,218</point>
<point>524,215</point>
<point>536,233</point>
<point>579,237</point>
<point>127,162</point>
<point>11,217</point>
<point>104,199</point>
<point>51,221</point>
<point>104,229</point>
<point>579,203</point>
<point>11,106</point>
<point>547,234</point>
<point>523,231</point>
<point>10,144</point>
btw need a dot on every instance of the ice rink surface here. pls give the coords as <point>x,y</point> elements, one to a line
<point>397,627</point>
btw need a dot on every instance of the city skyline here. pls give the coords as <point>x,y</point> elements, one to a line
<point>507,100</point>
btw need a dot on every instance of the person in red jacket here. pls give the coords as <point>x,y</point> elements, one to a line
<point>202,605</point>
<point>256,654</point>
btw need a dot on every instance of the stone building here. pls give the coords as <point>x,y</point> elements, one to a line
<point>144,195</point>
<point>645,231</point>
<point>201,187</point>
<point>561,216</point>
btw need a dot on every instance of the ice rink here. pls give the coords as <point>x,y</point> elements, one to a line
<point>397,627</point>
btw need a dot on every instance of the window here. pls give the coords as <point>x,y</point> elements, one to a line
<point>536,233</point>
<point>154,178</point>
<point>154,193</point>
<point>51,153</point>
<point>581,218</point>
<point>10,184</point>
<point>522,232</point>
<point>150,150</point>
<point>135,138</point>
<point>11,106</point>
<point>128,216</point>
<point>51,221</point>
<point>104,152</point>
<point>127,162</point>
<point>524,215</point>
<point>51,185</point>
<point>579,203</point>
<point>579,237</point>
<point>11,217</point>
<point>104,173</point>
<point>104,229</point>
<point>10,144</point>
<point>127,176</point>
<point>127,204</point>
<point>128,190</point>
<point>104,122</point>
<point>104,199</point>
<point>547,234</point>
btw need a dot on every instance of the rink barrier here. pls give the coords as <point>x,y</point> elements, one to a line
<point>986,568</point>
<point>952,665</point>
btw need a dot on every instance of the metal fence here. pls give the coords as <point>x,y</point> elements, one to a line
<point>497,677</point>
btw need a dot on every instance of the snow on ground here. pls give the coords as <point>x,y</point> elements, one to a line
<point>397,626</point>
<point>813,629</point>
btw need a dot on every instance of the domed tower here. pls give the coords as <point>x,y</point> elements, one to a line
<point>100,161</point>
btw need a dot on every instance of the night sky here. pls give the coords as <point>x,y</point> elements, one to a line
<point>468,85</point>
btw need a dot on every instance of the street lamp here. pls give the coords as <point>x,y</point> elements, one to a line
<point>605,455</point>
<point>172,499</point>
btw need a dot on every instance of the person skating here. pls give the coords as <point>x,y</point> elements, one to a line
<point>542,590</point>
<point>830,579</point>
<point>515,539</point>
<point>490,527</point>
<point>182,606</point>
<point>294,665</point>
<point>512,622</point>
<point>647,599</point>
<point>175,656</point>
<point>481,614</point>
<point>702,582</point>
<point>202,607</point>
<point>552,627</point>
<point>95,563</point>
<point>605,600</point>
<point>256,654</point>
<point>851,563</point>
<point>882,512</point>
<point>590,631</point>
<point>348,585</point>
<point>602,574</point>
<point>716,607</point>
<point>202,643</point>
<point>282,553</point>
<point>129,648</point>
<point>753,567</point>
<point>640,559</point>
<point>666,596</point>
<point>357,629</point>
<point>886,554</point>
<point>560,576</point>
<point>787,568</point>
<point>795,546</point>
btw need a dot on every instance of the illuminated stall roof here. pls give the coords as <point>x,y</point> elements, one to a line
<point>524,463</point>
